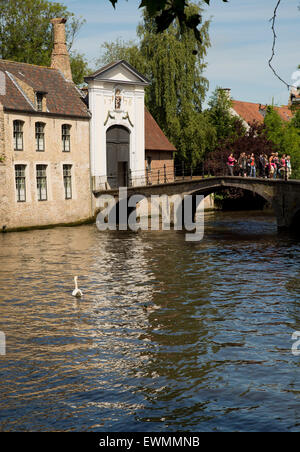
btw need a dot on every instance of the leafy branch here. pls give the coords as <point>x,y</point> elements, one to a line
<point>166,11</point>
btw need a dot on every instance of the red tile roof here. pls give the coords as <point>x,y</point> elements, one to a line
<point>252,112</point>
<point>155,139</point>
<point>62,97</point>
<point>247,111</point>
<point>284,112</point>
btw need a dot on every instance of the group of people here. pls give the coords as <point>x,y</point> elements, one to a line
<point>273,167</point>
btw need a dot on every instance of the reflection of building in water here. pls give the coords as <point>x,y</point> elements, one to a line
<point>124,269</point>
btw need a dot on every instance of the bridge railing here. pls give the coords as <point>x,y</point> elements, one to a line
<point>160,174</point>
<point>163,174</point>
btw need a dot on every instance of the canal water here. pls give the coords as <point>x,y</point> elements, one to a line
<point>211,351</point>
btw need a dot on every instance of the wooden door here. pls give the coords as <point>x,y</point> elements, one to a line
<point>117,156</point>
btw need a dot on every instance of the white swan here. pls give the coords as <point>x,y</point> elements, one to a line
<point>76,292</point>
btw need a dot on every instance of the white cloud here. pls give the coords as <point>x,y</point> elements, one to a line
<point>296,78</point>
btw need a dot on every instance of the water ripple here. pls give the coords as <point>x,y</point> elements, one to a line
<point>169,336</point>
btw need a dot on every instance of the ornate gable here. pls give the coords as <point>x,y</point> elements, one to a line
<point>119,72</point>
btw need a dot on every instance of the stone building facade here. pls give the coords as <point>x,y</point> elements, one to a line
<point>127,145</point>
<point>58,143</point>
<point>159,153</point>
<point>44,144</point>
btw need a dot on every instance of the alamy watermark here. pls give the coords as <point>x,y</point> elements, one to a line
<point>2,343</point>
<point>126,213</point>
<point>296,344</point>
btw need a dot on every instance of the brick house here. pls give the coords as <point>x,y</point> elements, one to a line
<point>159,153</point>
<point>251,112</point>
<point>44,143</point>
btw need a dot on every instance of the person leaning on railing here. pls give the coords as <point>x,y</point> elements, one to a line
<point>242,162</point>
<point>263,165</point>
<point>288,167</point>
<point>252,166</point>
<point>272,167</point>
<point>282,167</point>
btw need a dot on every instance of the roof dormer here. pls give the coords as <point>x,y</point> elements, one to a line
<point>40,101</point>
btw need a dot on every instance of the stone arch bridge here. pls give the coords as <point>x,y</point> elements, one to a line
<point>283,196</point>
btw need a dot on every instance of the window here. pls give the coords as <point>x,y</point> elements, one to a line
<point>67,173</point>
<point>41,182</point>
<point>40,136</point>
<point>18,135</point>
<point>20,182</point>
<point>149,161</point>
<point>66,137</point>
<point>39,101</point>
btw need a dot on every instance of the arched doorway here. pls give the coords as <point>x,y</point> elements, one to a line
<point>117,156</point>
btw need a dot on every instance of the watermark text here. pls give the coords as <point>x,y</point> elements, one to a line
<point>139,212</point>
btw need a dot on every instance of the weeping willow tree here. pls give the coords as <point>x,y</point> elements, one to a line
<point>174,63</point>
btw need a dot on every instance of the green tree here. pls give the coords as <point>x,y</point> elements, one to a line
<point>173,62</point>
<point>274,126</point>
<point>296,120</point>
<point>175,65</point>
<point>220,117</point>
<point>79,67</point>
<point>123,50</point>
<point>286,135</point>
<point>26,32</point>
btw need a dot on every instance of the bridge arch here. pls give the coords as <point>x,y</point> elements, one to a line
<point>216,188</point>
<point>282,196</point>
<point>295,221</point>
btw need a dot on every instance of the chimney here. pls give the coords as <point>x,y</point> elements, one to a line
<point>60,57</point>
<point>226,91</point>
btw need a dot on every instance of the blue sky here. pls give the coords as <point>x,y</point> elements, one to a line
<point>241,40</point>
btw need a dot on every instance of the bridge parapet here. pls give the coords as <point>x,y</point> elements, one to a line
<point>283,196</point>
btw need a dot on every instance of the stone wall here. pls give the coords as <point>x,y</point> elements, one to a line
<point>3,173</point>
<point>2,150</point>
